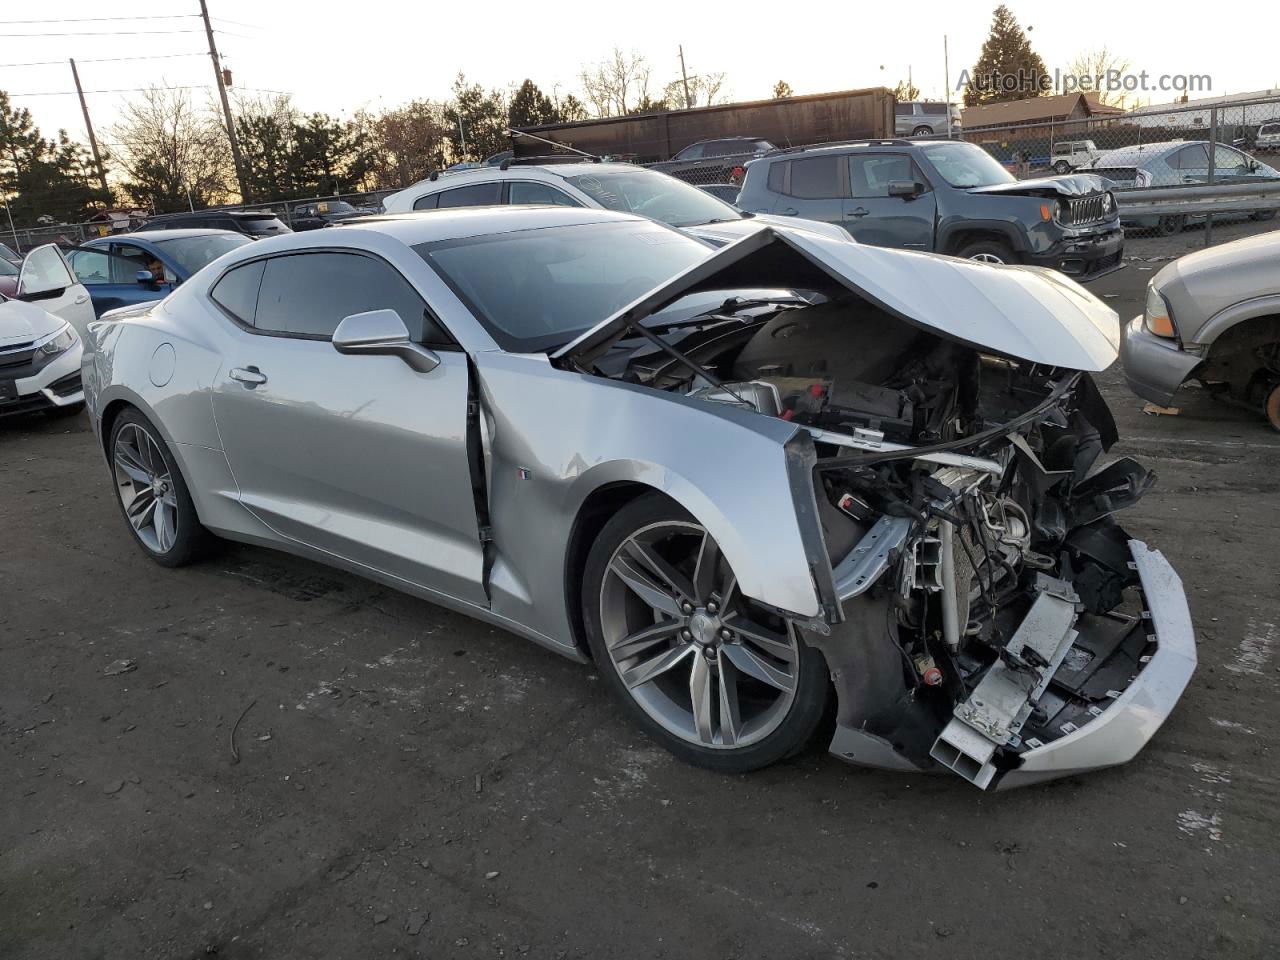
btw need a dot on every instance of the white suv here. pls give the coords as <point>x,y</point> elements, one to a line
<point>610,186</point>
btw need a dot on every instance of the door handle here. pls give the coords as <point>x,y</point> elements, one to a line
<point>249,376</point>
<point>83,298</point>
<point>859,212</point>
<point>789,212</point>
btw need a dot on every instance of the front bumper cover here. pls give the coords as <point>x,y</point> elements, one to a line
<point>1115,734</point>
<point>1154,367</point>
<point>1084,257</point>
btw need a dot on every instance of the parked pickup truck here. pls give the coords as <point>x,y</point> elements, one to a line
<point>944,196</point>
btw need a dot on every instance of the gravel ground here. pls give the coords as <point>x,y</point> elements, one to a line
<point>411,783</point>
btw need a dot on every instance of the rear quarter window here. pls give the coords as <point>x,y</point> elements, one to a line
<point>237,291</point>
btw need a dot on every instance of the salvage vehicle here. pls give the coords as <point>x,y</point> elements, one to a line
<point>1068,155</point>
<point>1212,316</point>
<point>945,196</point>
<point>586,182</point>
<point>315,214</point>
<point>129,268</point>
<point>1179,163</point>
<point>880,495</point>
<point>40,348</point>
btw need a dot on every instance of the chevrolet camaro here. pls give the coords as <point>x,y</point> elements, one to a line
<point>794,487</point>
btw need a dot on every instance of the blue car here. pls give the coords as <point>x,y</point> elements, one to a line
<point>130,268</point>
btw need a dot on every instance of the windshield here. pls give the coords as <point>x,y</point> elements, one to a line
<point>654,195</point>
<point>7,269</point>
<point>538,289</point>
<point>335,206</point>
<point>967,165</point>
<point>7,253</point>
<point>263,225</point>
<point>192,253</point>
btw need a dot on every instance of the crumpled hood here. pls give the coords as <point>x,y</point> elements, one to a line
<point>1029,313</point>
<point>20,322</point>
<point>731,230</point>
<point>1073,185</point>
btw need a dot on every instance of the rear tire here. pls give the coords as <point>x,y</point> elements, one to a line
<point>152,493</point>
<point>987,251</point>
<point>713,677</point>
<point>922,131</point>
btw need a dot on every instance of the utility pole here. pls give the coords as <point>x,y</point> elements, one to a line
<point>226,104</point>
<point>684,76</point>
<point>93,141</point>
<point>946,80</point>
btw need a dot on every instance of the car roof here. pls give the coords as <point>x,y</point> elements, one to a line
<point>842,145</point>
<point>158,236</point>
<point>458,223</point>
<point>515,170</point>
<point>187,214</point>
<point>1125,156</point>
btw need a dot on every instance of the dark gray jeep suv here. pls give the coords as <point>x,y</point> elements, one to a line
<point>944,196</point>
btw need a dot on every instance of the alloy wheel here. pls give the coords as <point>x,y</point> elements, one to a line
<point>145,485</point>
<point>704,662</point>
<point>986,258</point>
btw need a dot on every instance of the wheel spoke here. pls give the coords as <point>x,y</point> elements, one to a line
<point>645,587</point>
<point>127,460</point>
<point>636,643</point>
<point>650,558</point>
<point>706,567</point>
<point>655,666</point>
<point>754,665</point>
<point>730,715</point>
<point>142,508</point>
<point>770,641</point>
<point>160,521</point>
<point>702,697</point>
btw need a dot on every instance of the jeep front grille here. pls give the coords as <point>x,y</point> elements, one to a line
<point>1085,210</point>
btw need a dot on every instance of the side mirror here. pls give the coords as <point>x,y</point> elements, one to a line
<point>145,277</point>
<point>382,333</point>
<point>907,189</point>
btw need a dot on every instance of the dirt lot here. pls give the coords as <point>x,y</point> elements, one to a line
<point>411,783</point>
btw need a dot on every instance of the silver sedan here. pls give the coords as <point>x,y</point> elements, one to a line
<point>787,489</point>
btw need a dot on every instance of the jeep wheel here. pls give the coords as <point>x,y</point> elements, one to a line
<point>1168,226</point>
<point>987,251</point>
<point>1062,167</point>
<point>922,131</point>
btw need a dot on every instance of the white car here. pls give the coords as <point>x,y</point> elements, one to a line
<point>608,186</point>
<point>41,331</point>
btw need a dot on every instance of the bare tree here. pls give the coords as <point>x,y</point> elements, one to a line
<point>408,143</point>
<point>616,84</point>
<point>1099,66</point>
<point>172,152</point>
<point>782,90</point>
<point>705,90</point>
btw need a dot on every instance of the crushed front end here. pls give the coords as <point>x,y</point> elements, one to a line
<point>997,620</point>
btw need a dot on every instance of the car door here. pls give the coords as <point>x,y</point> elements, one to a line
<point>47,280</point>
<point>813,188</point>
<point>360,457</point>
<point>111,280</point>
<point>1190,165</point>
<point>873,216</point>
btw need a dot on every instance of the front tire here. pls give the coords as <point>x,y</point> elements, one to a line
<point>987,251</point>
<point>715,678</point>
<point>152,493</point>
<point>1062,167</point>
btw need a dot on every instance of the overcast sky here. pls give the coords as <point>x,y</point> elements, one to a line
<point>340,56</point>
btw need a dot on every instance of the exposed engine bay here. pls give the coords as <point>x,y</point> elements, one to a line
<point>986,602</point>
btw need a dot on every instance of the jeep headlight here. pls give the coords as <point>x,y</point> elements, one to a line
<point>1109,203</point>
<point>61,341</point>
<point>1156,314</point>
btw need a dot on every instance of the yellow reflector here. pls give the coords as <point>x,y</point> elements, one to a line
<point>1045,212</point>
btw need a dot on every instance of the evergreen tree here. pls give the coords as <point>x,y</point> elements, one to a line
<point>782,90</point>
<point>530,107</point>
<point>1007,69</point>
<point>483,120</point>
<point>44,178</point>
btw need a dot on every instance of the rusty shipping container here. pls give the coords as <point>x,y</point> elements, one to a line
<point>789,122</point>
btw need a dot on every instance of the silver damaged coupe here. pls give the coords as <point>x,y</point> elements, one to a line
<point>794,487</point>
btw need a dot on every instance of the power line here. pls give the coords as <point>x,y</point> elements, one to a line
<point>194,86</point>
<point>163,16</point>
<point>58,63</point>
<point>111,33</point>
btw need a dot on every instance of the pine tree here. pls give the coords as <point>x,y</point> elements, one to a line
<point>530,107</point>
<point>1007,69</point>
<point>43,178</point>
